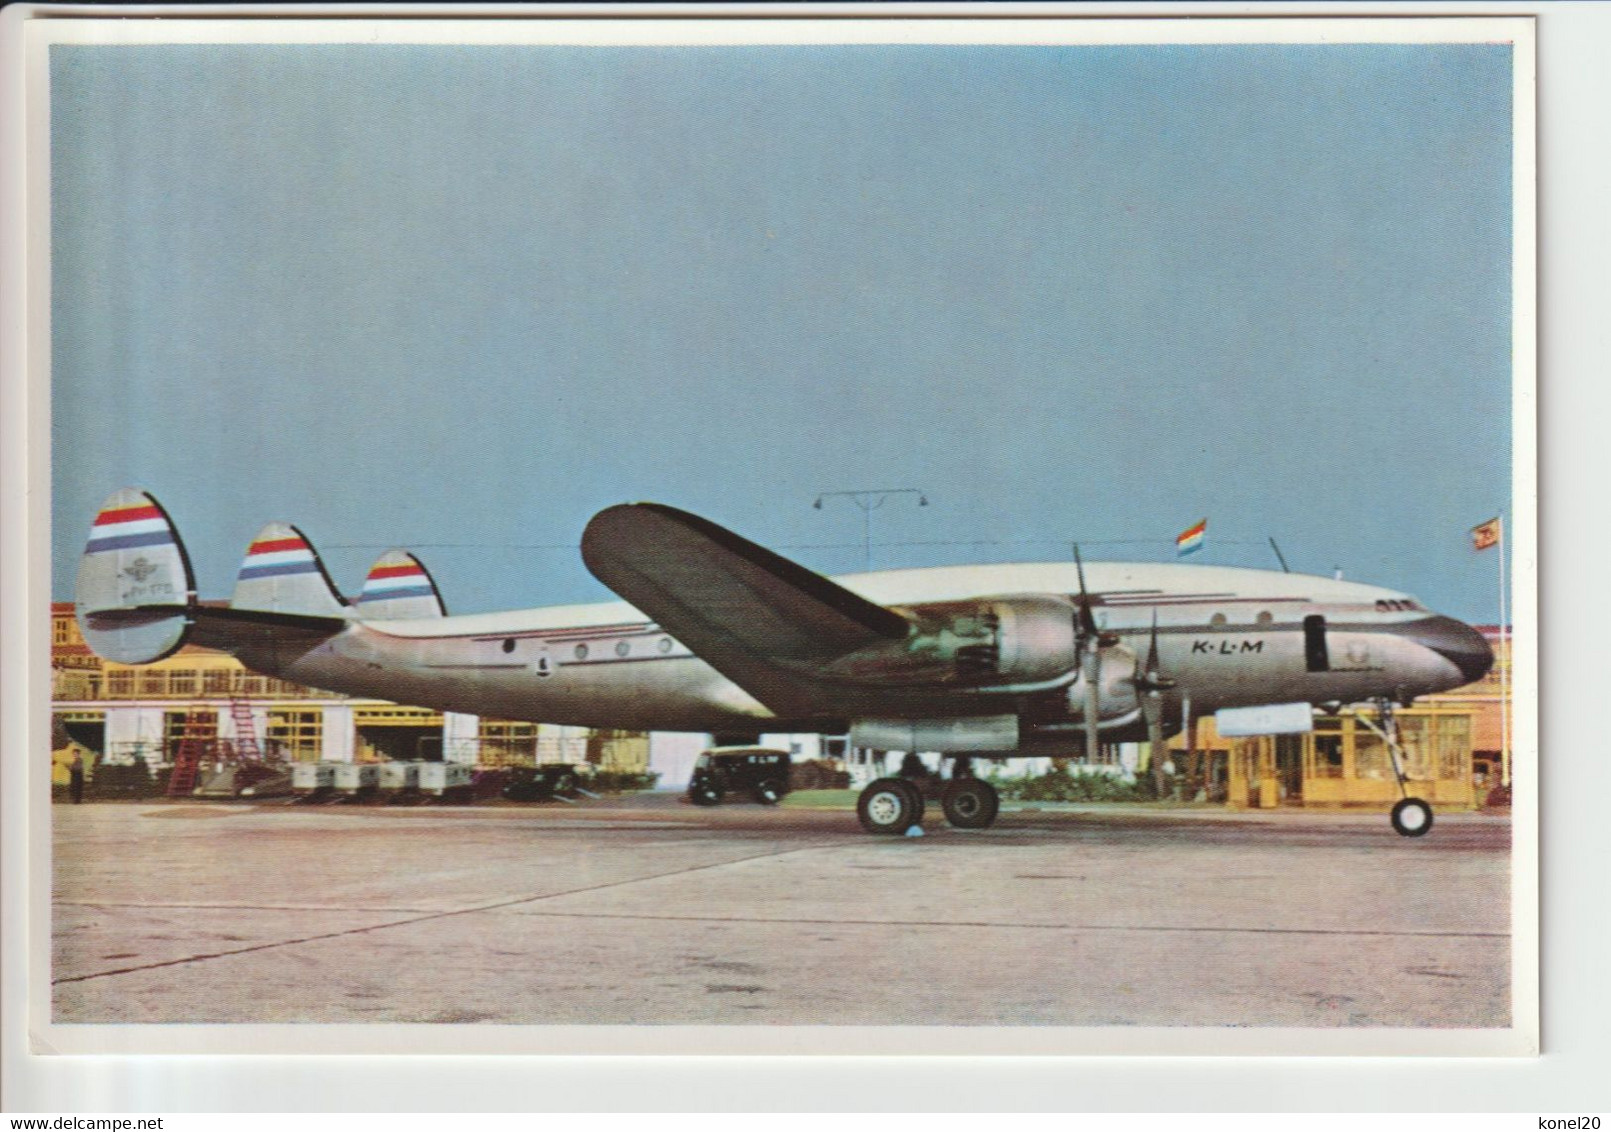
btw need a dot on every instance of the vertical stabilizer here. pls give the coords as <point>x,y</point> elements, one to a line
<point>134,581</point>
<point>399,587</point>
<point>283,574</point>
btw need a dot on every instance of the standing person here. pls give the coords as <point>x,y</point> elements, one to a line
<point>75,778</point>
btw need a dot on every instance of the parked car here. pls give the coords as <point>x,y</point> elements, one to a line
<point>541,783</point>
<point>759,772</point>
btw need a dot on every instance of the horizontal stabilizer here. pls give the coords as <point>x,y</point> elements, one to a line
<point>764,622</point>
<point>134,581</point>
<point>283,574</point>
<point>399,588</point>
<point>136,598</point>
<point>253,630</point>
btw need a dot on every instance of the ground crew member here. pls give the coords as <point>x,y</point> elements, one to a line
<point>75,778</point>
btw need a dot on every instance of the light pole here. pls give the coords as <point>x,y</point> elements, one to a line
<point>870,500</point>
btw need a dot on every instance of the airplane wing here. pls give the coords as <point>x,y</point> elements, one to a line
<point>764,622</point>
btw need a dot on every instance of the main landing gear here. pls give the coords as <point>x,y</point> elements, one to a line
<point>1411,817</point>
<point>894,805</point>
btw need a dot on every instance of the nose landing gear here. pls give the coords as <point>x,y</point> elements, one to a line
<point>1411,817</point>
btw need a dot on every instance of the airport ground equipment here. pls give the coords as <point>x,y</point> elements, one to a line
<point>445,780</point>
<point>397,779</point>
<point>759,772</point>
<point>547,782</point>
<point>354,780</point>
<point>245,780</point>
<point>198,742</point>
<point>246,747</point>
<point>312,780</point>
<point>123,779</point>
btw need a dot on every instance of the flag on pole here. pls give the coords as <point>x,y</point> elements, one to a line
<point>1191,539</point>
<point>1486,535</point>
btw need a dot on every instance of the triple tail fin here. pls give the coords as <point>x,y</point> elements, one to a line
<point>284,574</point>
<point>134,581</point>
<point>399,588</point>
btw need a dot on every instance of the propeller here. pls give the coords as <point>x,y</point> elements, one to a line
<point>1090,640</point>
<point>1150,685</point>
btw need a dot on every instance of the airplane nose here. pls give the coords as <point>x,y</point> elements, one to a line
<point>1456,642</point>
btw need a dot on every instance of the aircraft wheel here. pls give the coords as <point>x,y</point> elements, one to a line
<point>1412,817</point>
<point>970,803</point>
<point>889,805</point>
<point>768,792</point>
<point>705,794</point>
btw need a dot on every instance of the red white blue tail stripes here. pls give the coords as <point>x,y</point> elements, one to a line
<point>134,583</point>
<point>398,587</point>
<point>278,556</point>
<point>129,527</point>
<point>282,574</point>
<point>407,579</point>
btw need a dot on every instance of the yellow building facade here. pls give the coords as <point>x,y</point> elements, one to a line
<point>123,713</point>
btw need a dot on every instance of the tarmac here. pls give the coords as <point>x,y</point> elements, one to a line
<point>647,910</point>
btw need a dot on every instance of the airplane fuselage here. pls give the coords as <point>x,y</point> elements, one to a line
<point>1227,638</point>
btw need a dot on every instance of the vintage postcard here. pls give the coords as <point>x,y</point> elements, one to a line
<point>782,535</point>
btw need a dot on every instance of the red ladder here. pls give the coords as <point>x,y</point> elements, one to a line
<point>197,741</point>
<point>247,748</point>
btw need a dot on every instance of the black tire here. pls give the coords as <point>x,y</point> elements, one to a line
<point>890,806</point>
<point>768,792</point>
<point>919,803</point>
<point>1412,818</point>
<point>703,792</point>
<point>970,803</point>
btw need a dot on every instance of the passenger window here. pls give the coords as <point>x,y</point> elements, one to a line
<point>1217,621</point>
<point>1314,644</point>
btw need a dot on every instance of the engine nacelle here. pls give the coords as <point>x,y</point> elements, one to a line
<point>1116,694</point>
<point>1025,641</point>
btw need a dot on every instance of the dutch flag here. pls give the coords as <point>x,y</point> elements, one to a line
<point>1190,540</point>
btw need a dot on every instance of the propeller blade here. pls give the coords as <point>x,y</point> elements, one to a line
<point>1152,679</point>
<point>1152,650</point>
<point>1088,627</point>
<point>1152,708</point>
<point>1093,699</point>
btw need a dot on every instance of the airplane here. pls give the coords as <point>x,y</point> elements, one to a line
<point>719,635</point>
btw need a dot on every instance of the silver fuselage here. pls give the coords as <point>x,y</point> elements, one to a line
<point>1227,637</point>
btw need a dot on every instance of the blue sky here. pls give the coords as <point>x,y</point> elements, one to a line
<point>461,298</point>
